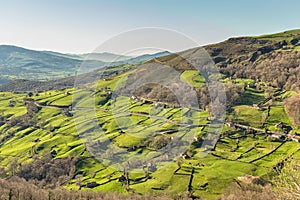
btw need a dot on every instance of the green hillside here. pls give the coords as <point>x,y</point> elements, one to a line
<point>236,154</point>
<point>286,35</point>
<point>98,136</point>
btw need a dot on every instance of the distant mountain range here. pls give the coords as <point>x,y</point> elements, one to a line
<point>21,63</point>
<point>103,57</point>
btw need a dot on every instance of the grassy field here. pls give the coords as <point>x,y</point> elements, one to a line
<point>193,78</point>
<point>127,123</point>
<point>287,35</point>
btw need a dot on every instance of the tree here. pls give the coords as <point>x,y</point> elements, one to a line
<point>30,94</point>
<point>287,185</point>
<point>292,107</point>
<point>13,167</point>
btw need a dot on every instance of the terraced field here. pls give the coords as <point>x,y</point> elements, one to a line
<point>111,135</point>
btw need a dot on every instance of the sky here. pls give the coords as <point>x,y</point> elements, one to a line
<point>79,26</point>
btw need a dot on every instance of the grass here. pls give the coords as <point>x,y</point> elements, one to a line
<point>193,78</point>
<point>248,114</point>
<point>213,172</point>
<point>277,114</point>
<point>297,48</point>
<point>251,97</point>
<point>286,35</point>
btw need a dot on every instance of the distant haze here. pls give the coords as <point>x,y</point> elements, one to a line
<point>74,26</point>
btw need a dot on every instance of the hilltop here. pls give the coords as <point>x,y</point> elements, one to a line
<point>241,57</point>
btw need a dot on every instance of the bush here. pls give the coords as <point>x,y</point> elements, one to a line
<point>249,192</point>
<point>287,184</point>
<point>48,172</point>
<point>158,142</point>
<point>17,188</point>
<point>292,107</point>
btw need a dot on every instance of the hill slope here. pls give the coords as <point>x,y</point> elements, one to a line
<point>16,62</point>
<point>20,63</point>
<point>68,136</point>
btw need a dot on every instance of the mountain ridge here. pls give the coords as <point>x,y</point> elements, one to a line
<point>21,63</point>
<point>227,55</point>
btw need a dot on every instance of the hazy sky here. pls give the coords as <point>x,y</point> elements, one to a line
<point>78,26</point>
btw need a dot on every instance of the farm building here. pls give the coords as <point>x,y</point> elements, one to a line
<point>295,138</point>
<point>278,136</point>
<point>280,125</point>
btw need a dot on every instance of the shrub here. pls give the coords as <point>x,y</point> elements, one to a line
<point>287,184</point>
<point>248,192</point>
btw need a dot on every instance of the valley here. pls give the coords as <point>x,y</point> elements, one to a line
<point>108,141</point>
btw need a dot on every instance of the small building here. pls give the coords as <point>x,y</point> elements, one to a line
<point>122,179</point>
<point>145,101</point>
<point>210,118</point>
<point>280,125</point>
<point>251,85</point>
<point>151,167</point>
<point>185,155</point>
<point>295,138</point>
<point>230,124</point>
<point>12,103</point>
<point>133,148</point>
<point>258,106</point>
<point>53,152</point>
<point>278,136</point>
<point>196,138</point>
